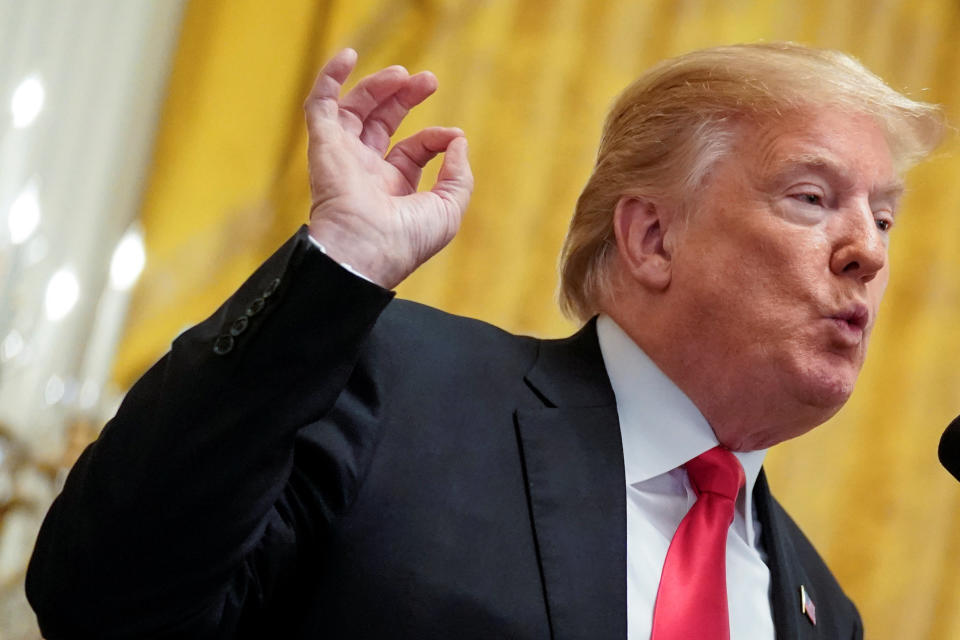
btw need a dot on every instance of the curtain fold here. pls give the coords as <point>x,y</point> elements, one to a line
<point>529,81</point>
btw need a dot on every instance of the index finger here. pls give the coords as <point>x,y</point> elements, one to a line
<point>331,78</point>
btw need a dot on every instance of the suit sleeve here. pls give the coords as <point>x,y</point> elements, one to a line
<point>171,523</point>
<point>857,624</point>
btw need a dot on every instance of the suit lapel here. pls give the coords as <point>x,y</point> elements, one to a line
<point>573,464</point>
<point>786,573</point>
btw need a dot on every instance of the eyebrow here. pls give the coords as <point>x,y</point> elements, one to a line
<point>815,163</point>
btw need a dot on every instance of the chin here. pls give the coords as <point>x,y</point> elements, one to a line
<point>807,398</point>
<point>827,387</point>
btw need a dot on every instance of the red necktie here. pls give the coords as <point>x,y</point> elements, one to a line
<point>692,598</point>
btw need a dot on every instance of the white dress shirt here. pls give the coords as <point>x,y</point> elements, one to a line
<point>661,429</point>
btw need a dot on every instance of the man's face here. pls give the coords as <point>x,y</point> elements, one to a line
<point>779,274</point>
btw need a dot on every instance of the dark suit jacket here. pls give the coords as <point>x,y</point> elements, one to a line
<point>313,462</point>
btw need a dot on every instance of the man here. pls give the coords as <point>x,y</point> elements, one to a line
<point>315,460</point>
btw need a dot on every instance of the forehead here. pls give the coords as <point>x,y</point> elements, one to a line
<point>849,148</point>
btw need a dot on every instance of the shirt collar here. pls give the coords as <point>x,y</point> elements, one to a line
<point>660,426</point>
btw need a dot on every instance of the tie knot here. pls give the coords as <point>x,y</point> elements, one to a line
<point>716,471</point>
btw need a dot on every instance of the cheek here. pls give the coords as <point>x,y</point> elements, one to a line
<point>878,286</point>
<point>743,302</point>
<point>751,282</point>
<point>763,277</point>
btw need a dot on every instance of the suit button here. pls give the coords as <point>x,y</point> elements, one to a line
<point>239,325</point>
<point>271,288</point>
<point>223,345</point>
<point>255,307</point>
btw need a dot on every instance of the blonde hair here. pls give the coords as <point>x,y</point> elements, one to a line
<point>668,128</point>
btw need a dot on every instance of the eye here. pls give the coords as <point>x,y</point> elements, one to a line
<point>884,225</point>
<point>810,198</point>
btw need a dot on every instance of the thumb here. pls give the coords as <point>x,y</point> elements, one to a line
<point>455,179</point>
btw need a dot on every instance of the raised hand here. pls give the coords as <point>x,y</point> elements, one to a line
<point>366,209</point>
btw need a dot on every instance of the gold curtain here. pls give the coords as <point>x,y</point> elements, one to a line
<point>529,81</point>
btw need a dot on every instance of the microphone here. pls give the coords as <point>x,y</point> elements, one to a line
<point>949,450</point>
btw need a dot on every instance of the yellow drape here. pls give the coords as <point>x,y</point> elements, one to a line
<point>529,81</point>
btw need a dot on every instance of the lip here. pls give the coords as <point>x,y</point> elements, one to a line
<point>851,322</point>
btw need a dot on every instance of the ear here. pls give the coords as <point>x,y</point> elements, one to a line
<point>639,225</point>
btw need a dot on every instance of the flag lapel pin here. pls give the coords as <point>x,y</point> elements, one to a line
<point>807,606</point>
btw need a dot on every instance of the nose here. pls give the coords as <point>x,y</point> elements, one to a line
<point>860,251</point>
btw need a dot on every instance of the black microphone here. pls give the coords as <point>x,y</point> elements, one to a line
<point>949,450</point>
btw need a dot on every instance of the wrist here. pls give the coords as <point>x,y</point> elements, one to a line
<point>346,266</point>
<point>354,252</point>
